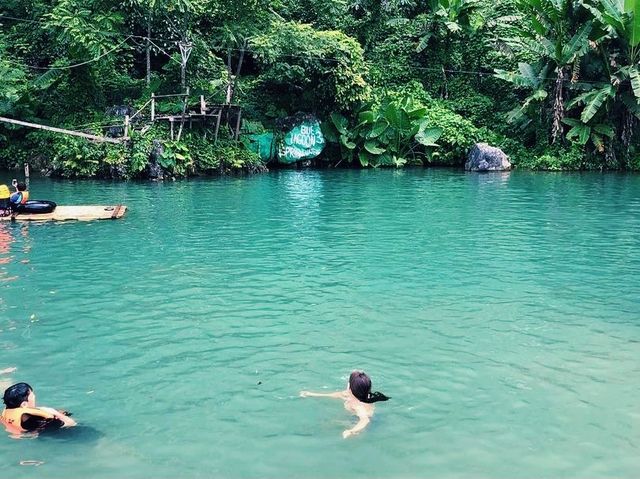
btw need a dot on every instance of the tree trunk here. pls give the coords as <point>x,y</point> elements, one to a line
<point>610,155</point>
<point>628,121</point>
<point>184,110</point>
<point>237,75</point>
<point>558,106</point>
<point>183,76</point>
<point>148,52</point>
<point>230,80</point>
<point>444,90</point>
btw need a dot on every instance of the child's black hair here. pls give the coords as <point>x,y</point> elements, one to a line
<point>15,395</point>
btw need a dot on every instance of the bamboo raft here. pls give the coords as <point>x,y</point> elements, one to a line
<point>73,213</point>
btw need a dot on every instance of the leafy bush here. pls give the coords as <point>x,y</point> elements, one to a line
<point>13,155</point>
<point>308,70</point>
<point>194,154</point>
<point>393,61</point>
<point>12,84</point>
<point>458,134</point>
<point>176,158</point>
<point>634,163</point>
<point>572,158</point>
<point>76,157</point>
<point>225,156</point>
<point>474,106</point>
<point>389,134</point>
<point>519,155</point>
<point>73,157</point>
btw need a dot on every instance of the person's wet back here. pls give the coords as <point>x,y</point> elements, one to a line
<point>22,415</point>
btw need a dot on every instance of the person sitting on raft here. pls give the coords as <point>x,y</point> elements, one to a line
<point>358,399</point>
<point>22,415</point>
<point>20,196</point>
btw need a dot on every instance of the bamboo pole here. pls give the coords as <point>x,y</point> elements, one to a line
<point>126,127</point>
<point>60,130</point>
<point>218,119</point>
<point>171,95</point>
<point>148,50</point>
<point>139,111</point>
<point>184,109</point>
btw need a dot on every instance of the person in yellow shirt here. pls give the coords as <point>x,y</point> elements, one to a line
<point>5,201</point>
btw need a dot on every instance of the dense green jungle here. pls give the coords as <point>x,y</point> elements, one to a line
<point>393,83</point>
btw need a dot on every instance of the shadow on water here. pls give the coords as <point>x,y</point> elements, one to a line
<point>78,434</point>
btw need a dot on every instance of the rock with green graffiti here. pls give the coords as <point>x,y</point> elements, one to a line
<point>304,141</point>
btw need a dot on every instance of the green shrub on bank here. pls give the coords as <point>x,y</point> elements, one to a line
<point>458,133</point>
<point>572,158</point>
<point>634,163</point>
<point>13,156</point>
<point>73,157</point>
<point>392,133</point>
<point>76,157</point>
<point>224,156</point>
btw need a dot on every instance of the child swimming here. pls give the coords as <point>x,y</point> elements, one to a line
<point>22,415</point>
<point>358,399</point>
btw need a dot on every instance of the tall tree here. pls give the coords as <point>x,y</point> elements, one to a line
<point>556,34</point>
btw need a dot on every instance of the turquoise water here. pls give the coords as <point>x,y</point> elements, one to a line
<point>501,312</point>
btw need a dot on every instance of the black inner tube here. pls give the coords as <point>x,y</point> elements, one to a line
<point>37,207</point>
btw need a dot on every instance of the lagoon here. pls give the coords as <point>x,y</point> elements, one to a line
<point>501,312</point>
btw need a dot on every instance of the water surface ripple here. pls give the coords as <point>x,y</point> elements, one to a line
<point>501,313</point>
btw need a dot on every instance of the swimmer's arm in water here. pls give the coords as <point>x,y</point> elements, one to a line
<point>335,395</point>
<point>66,420</point>
<point>37,424</point>
<point>363,421</point>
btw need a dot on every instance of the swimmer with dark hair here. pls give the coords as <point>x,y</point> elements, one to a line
<point>22,415</point>
<point>358,399</point>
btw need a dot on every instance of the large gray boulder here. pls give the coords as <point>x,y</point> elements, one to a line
<point>483,157</point>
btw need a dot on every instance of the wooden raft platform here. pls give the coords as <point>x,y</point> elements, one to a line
<point>73,213</point>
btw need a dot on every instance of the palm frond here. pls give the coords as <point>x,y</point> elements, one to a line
<point>594,104</point>
<point>578,44</point>
<point>634,76</point>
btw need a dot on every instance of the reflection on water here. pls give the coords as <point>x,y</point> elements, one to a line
<point>6,238</point>
<point>78,434</point>
<point>9,234</point>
